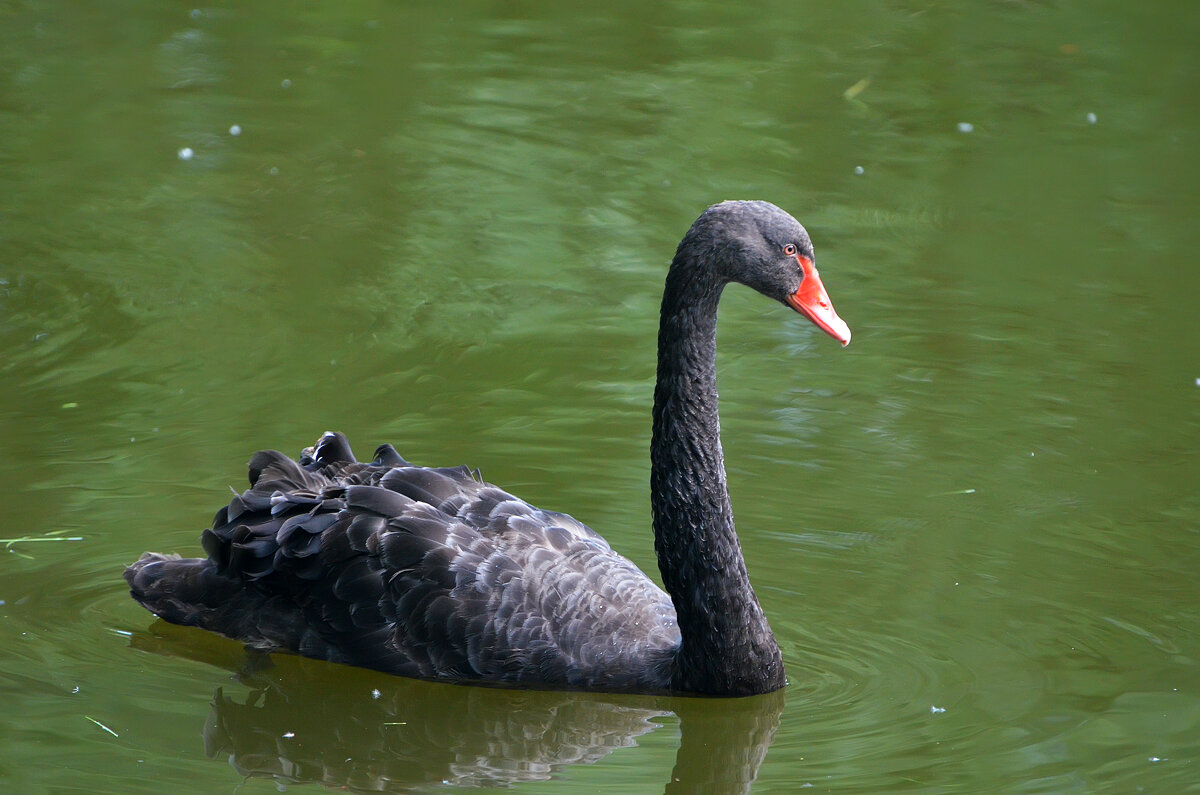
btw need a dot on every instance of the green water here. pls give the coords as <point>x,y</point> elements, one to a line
<point>976,530</point>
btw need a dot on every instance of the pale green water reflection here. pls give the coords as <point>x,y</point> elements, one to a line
<point>976,530</point>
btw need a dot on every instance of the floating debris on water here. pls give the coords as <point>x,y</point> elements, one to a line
<point>53,536</point>
<point>856,89</point>
<point>851,94</point>
<point>102,726</point>
<point>936,710</point>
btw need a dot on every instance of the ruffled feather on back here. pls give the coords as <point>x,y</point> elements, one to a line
<point>417,571</point>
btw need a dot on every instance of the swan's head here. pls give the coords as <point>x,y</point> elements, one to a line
<point>759,245</point>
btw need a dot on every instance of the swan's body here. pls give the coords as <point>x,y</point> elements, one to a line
<point>432,573</point>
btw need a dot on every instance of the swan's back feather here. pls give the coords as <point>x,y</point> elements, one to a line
<point>418,571</point>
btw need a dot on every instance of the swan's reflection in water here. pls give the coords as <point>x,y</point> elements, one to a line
<point>308,721</point>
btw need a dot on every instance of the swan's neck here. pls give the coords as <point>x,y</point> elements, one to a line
<point>727,645</point>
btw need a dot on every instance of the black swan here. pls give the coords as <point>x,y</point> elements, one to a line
<point>435,574</point>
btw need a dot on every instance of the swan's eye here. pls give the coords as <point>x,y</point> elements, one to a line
<point>790,249</point>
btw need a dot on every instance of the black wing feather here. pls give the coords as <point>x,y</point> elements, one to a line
<point>416,571</point>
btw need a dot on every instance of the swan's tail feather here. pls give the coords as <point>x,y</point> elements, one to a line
<point>191,591</point>
<point>177,590</point>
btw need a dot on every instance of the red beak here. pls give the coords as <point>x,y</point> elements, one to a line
<point>813,302</point>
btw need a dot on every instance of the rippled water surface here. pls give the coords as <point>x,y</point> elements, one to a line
<point>976,530</point>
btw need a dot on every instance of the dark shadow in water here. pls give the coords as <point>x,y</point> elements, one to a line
<point>308,721</point>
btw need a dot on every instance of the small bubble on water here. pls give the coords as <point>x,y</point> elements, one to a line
<point>859,170</point>
<point>966,127</point>
<point>235,129</point>
<point>1091,118</point>
<point>285,83</point>
<point>196,13</point>
<point>186,153</point>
